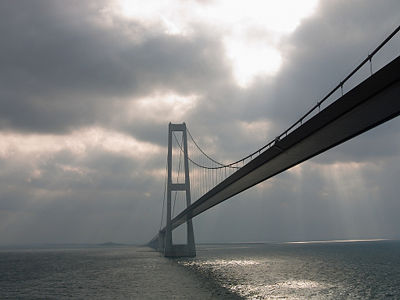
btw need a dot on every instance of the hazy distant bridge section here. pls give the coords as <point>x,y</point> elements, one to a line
<point>371,103</point>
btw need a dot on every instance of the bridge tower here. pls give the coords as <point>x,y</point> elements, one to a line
<point>188,249</point>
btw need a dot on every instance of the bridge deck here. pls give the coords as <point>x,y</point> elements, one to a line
<point>374,101</point>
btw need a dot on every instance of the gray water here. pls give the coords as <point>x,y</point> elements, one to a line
<point>357,270</point>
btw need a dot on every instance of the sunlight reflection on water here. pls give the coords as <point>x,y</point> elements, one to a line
<point>291,289</point>
<point>223,263</point>
<point>299,284</point>
<point>351,270</point>
<point>247,278</point>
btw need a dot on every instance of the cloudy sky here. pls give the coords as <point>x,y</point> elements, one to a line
<point>87,89</point>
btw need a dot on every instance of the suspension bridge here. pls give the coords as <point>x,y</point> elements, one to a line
<point>193,174</point>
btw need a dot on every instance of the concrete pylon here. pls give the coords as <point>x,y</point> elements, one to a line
<point>170,249</point>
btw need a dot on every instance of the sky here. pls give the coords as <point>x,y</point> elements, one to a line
<point>87,89</point>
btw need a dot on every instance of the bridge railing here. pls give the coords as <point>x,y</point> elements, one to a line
<point>340,87</point>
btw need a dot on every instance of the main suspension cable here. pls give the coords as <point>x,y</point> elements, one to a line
<point>205,167</point>
<point>205,154</point>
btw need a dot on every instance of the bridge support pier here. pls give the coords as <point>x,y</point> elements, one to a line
<point>188,249</point>
<point>160,243</point>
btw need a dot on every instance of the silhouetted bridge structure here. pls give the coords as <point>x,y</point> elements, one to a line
<point>369,104</point>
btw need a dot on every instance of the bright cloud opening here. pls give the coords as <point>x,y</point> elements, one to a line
<point>161,107</point>
<point>250,60</point>
<point>251,29</point>
<point>80,142</point>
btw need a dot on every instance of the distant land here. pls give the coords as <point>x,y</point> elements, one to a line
<point>63,245</point>
<point>112,244</point>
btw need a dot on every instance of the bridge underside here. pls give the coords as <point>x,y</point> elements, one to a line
<point>371,103</point>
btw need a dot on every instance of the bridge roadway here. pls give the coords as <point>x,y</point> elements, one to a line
<point>371,103</point>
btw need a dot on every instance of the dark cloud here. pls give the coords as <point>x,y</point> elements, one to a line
<point>63,198</point>
<point>65,65</point>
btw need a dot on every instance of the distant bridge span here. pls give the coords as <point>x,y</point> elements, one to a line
<point>371,103</point>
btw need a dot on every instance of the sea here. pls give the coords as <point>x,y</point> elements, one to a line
<point>312,270</point>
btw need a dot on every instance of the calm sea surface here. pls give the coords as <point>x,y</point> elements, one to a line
<point>357,270</point>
